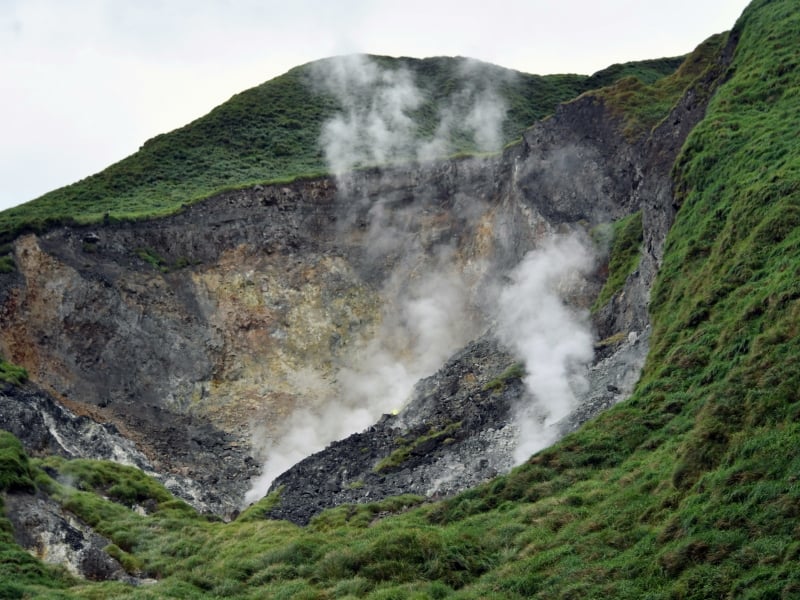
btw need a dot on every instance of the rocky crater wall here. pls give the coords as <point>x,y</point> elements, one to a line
<point>188,333</point>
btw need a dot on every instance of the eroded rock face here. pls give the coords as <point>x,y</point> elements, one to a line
<point>460,429</point>
<point>48,427</point>
<point>56,537</point>
<point>457,431</point>
<point>187,331</point>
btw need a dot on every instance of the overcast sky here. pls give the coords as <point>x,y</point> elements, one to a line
<point>83,83</point>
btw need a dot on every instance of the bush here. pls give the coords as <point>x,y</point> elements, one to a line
<point>15,470</point>
<point>12,373</point>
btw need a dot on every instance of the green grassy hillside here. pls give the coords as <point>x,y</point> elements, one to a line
<point>691,489</point>
<point>643,104</point>
<point>271,132</point>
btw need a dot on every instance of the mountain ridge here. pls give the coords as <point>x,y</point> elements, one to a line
<point>166,172</point>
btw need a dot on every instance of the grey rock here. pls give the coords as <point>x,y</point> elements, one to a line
<point>57,537</point>
<point>46,427</point>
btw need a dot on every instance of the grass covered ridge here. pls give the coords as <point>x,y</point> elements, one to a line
<point>271,132</point>
<point>643,104</point>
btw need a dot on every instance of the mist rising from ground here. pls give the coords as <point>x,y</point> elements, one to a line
<point>425,323</point>
<point>554,340</point>
<point>376,124</point>
<point>428,312</point>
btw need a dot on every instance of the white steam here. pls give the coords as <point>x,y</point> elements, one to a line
<point>476,111</point>
<point>553,339</point>
<point>428,312</point>
<point>375,125</point>
<point>305,432</point>
<point>429,321</point>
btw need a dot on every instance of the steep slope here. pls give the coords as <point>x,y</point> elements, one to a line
<point>689,489</point>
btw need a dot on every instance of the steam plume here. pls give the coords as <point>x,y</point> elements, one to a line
<point>428,313</point>
<point>375,125</point>
<point>554,340</point>
<point>419,331</point>
<point>476,112</point>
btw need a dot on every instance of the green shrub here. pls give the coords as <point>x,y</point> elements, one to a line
<point>258,510</point>
<point>7,264</point>
<point>15,469</point>
<point>624,255</point>
<point>401,454</point>
<point>152,258</point>
<point>129,486</point>
<point>12,373</point>
<point>515,371</point>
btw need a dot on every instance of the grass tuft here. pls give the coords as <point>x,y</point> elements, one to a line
<point>624,255</point>
<point>10,373</point>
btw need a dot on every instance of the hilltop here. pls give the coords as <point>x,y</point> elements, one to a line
<point>271,133</point>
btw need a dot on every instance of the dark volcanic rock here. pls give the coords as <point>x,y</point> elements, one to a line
<point>459,430</point>
<point>578,166</point>
<point>456,432</point>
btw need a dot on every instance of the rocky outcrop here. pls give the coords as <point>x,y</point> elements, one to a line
<point>48,427</point>
<point>56,537</point>
<point>654,194</point>
<point>457,431</point>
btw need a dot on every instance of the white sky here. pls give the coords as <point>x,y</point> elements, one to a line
<point>83,83</point>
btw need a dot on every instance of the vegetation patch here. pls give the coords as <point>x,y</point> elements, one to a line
<point>407,448</point>
<point>152,258</point>
<point>10,373</point>
<point>259,509</point>
<point>612,340</point>
<point>624,255</point>
<point>20,573</point>
<point>363,515</point>
<point>160,263</point>
<point>515,371</point>
<point>15,469</point>
<point>127,485</point>
<point>7,262</point>
<point>642,105</point>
